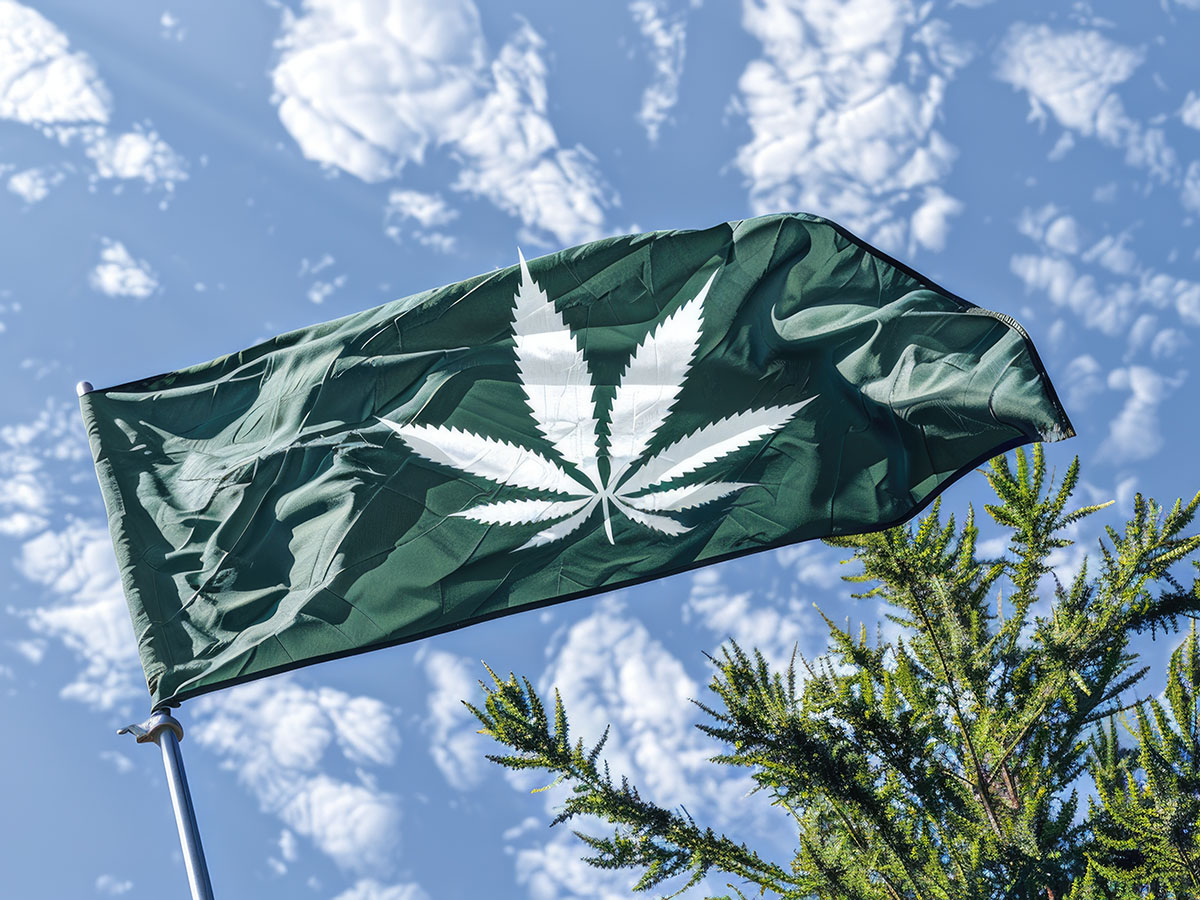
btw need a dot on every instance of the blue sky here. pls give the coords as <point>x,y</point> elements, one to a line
<point>180,181</point>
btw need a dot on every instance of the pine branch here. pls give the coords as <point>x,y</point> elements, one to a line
<point>1150,827</point>
<point>664,844</point>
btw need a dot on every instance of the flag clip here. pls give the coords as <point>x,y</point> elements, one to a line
<point>148,732</point>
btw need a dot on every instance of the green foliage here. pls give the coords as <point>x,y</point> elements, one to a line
<point>1147,830</point>
<point>941,764</point>
<point>661,842</point>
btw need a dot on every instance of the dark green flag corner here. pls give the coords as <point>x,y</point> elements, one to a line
<point>608,414</point>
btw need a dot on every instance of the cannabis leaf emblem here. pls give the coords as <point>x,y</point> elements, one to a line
<point>559,392</point>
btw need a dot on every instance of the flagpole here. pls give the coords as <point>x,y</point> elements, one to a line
<point>164,729</point>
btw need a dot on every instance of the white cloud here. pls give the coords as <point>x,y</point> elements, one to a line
<point>526,825</point>
<point>1063,235</point>
<point>369,88</point>
<point>81,603</point>
<point>26,491</point>
<point>369,889</point>
<point>1145,148</point>
<point>1106,193</point>
<point>1084,379</point>
<point>454,744</point>
<point>1190,190</point>
<point>1032,222</point>
<point>20,524</point>
<point>55,434</point>
<point>89,614</point>
<point>118,274</point>
<point>1187,301</point>
<point>1124,492</point>
<point>513,155</point>
<point>436,240</point>
<point>33,185</point>
<point>1072,74</point>
<point>113,886</point>
<point>320,291</point>
<point>610,670</point>
<point>1063,146</point>
<point>665,33</point>
<point>1113,253</point>
<point>554,869</point>
<point>1128,304</point>
<point>41,81</point>
<point>1051,226</point>
<point>428,210</point>
<point>119,761</point>
<point>1190,111</point>
<point>74,565</point>
<point>364,729</point>
<point>1144,328</point>
<point>1058,279</point>
<point>45,85</point>
<point>772,629</point>
<point>33,650</point>
<point>931,221</point>
<point>1168,343</point>
<point>842,109</point>
<point>811,565</point>
<point>307,267</point>
<point>288,846</point>
<point>171,29</point>
<point>352,823</point>
<point>1136,433</point>
<point>279,736</point>
<point>139,154</point>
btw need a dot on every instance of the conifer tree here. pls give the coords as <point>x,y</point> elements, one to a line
<point>940,764</point>
<point>1147,822</point>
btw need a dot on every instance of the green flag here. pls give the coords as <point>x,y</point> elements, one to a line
<point>599,417</point>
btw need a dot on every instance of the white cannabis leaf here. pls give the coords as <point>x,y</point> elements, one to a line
<point>559,391</point>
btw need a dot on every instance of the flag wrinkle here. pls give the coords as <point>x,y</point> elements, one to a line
<point>619,432</point>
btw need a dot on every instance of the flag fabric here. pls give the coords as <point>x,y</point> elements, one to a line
<point>609,414</point>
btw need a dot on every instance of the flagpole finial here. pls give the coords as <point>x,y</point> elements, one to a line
<point>83,387</point>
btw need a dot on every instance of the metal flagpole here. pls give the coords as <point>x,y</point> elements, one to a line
<point>164,729</point>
